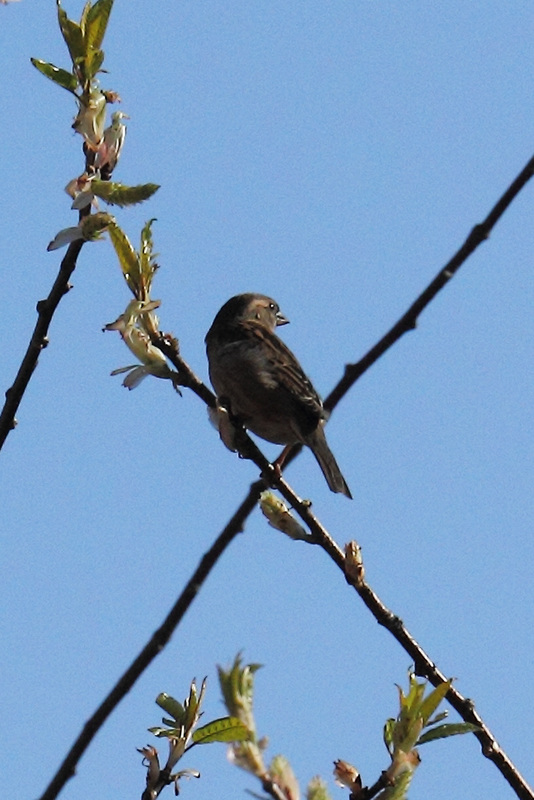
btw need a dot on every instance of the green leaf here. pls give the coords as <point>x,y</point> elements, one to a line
<point>147,263</point>
<point>127,256</point>
<point>388,733</point>
<point>225,729</point>
<point>169,733</point>
<point>83,18</point>
<point>72,33</point>
<point>450,729</point>
<point>116,194</point>
<point>96,23</point>
<point>438,718</point>
<point>60,76</point>
<point>432,700</point>
<point>169,704</point>
<point>410,703</point>
<point>93,63</point>
<point>93,225</point>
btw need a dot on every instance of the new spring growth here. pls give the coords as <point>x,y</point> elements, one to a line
<point>87,187</point>
<point>237,687</point>
<point>282,775</point>
<point>132,329</point>
<point>110,147</point>
<point>415,724</point>
<point>179,735</point>
<point>405,733</point>
<point>101,146</point>
<point>347,776</point>
<point>89,229</point>
<point>279,517</point>
<point>182,732</point>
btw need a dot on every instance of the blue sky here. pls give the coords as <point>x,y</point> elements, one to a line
<point>333,156</point>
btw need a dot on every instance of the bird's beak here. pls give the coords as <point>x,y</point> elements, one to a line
<point>280,319</point>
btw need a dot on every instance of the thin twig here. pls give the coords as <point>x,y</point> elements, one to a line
<point>156,644</point>
<point>423,665</point>
<point>39,340</point>
<point>408,321</point>
<point>170,348</point>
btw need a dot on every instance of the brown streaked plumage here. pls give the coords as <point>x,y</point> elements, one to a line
<point>257,377</point>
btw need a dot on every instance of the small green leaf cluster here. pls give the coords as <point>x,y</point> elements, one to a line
<point>182,732</point>
<point>102,145</point>
<point>237,687</point>
<point>407,731</point>
<point>184,718</point>
<point>102,148</point>
<point>278,778</point>
<point>84,42</point>
<point>138,267</point>
<point>138,325</point>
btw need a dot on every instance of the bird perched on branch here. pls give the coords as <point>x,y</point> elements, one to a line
<point>262,385</point>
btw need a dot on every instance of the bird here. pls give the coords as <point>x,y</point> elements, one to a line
<point>261,384</point>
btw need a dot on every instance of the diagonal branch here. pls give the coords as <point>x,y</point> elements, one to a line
<point>408,320</point>
<point>424,666</point>
<point>39,340</point>
<point>154,646</point>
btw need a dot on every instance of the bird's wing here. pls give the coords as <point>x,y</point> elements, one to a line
<point>285,368</point>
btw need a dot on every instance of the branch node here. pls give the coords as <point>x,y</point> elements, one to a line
<point>396,623</point>
<point>354,569</point>
<point>468,703</point>
<point>480,232</point>
<point>490,749</point>
<point>169,342</point>
<point>421,669</point>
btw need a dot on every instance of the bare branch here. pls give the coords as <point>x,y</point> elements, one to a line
<point>424,666</point>
<point>156,644</point>
<point>39,339</point>
<point>408,321</point>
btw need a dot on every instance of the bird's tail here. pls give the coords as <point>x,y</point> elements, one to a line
<point>327,462</point>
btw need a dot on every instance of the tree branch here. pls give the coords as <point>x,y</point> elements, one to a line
<point>408,321</point>
<point>153,647</point>
<point>39,340</point>
<point>424,666</point>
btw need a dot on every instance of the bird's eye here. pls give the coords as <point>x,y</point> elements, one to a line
<point>272,306</point>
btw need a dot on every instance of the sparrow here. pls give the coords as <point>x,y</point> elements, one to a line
<point>261,384</point>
